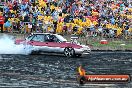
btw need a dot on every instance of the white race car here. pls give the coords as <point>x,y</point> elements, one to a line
<point>54,43</point>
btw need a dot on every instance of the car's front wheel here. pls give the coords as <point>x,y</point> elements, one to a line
<point>69,52</point>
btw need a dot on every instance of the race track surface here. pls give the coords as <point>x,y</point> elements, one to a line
<point>55,71</point>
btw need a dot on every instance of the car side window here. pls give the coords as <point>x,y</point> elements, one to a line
<point>39,38</point>
<point>55,39</point>
<point>46,38</point>
<point>51,38</point>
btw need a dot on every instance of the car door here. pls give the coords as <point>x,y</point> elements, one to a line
<point>54,45</point>
<point>38,42</point>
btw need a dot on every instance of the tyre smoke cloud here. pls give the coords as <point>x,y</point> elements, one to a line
<point>8,46</point>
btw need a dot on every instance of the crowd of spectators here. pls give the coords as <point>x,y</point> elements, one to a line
<point>91,17</point>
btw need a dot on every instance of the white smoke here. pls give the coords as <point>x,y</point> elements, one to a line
<point>8,46</point>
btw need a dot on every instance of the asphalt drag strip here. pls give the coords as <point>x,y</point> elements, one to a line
<point>56,71</point>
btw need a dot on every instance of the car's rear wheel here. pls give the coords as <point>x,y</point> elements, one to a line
<point>69,52</point>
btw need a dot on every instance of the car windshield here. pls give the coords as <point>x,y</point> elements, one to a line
<point>62,39</point>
